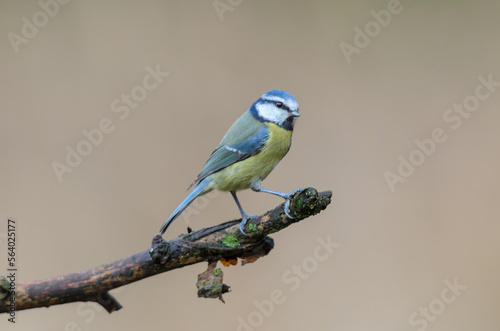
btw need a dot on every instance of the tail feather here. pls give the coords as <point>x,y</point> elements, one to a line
<point>198,190</point>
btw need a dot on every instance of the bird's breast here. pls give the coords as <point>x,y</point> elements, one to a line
<point>240,175</point>
<point>278,143</point>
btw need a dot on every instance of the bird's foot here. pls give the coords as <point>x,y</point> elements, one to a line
<point>288,198</point>
<point>244,220</point>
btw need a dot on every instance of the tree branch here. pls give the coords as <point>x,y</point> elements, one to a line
<point>222,242</point>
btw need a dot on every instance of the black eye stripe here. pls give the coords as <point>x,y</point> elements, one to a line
<point>281,105</point>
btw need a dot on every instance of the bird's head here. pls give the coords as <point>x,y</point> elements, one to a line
<point>278,107</point>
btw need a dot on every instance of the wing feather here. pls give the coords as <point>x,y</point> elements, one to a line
<point>228,154</point>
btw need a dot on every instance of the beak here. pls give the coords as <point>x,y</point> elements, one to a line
<point>295,113</point>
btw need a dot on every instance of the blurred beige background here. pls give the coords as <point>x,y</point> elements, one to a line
<point>424,257</point>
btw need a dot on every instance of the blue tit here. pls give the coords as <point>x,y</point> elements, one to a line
<point>249,151</point>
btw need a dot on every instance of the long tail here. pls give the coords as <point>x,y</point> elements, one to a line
<point>198,190</point>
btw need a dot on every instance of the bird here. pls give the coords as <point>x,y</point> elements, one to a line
<point>247,153</point>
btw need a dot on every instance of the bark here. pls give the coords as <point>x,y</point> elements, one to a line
<point>222,242</point>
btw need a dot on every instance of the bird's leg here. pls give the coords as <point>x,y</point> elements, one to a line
<point>257,187</point>
<point>244,216</point>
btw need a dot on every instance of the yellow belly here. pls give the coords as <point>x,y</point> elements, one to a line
<point>240,175</point>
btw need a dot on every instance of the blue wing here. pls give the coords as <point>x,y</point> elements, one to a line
<point>228,154</point>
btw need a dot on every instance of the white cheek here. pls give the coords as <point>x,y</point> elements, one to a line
<point>272,114</point>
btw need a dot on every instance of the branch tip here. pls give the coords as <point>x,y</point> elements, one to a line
<point>108,302</point>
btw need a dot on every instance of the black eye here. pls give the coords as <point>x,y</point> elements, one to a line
<point>279,105</point>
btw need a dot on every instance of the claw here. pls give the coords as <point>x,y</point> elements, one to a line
<point>244,221</point>
<point>287,209</point>
<point>288,198</point>
<point>242,226</point>
<point>295,191</point>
